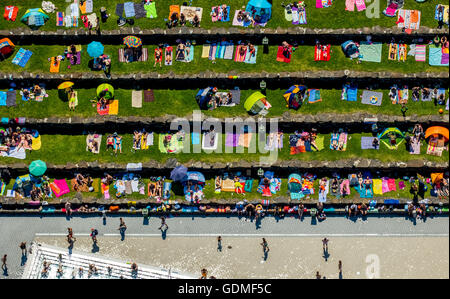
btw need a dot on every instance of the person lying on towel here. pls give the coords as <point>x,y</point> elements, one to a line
<point>287,50</point>
<point>375,143</point>
<point>367,183</point>
<point>158,56</point>
<point>251,50</point>
<point>93,146</point>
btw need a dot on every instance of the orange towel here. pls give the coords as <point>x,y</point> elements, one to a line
<point>83,7</point>
<point>174,8</point>
<point>54,68</point>
<point>414,16</point>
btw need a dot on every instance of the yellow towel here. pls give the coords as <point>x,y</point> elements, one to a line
<point>205,51</point>
<point>114,107</point>
<point>36,143</point>
<point>377,186</point>
<point>77,47</point>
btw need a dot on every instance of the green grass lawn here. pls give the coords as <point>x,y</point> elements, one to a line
<point>333,17</point>
<point>185,103</point>
<point>302,60</point>
<point>62,149</point>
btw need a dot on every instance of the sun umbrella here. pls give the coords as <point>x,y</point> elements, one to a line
<point>95,49</point>
<point>132,41</point>
<point>65,85</point>
<point>178,173</point>
<point>37,167</point>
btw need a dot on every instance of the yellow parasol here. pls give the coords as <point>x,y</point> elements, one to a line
<point>65,85</point>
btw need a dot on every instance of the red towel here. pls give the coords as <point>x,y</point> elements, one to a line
<point>10,13</point>
<point>281,57</point>
<point>391,185</point>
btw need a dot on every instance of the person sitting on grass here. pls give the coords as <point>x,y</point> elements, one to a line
<point>375,143</point>
<point>196,21</point>
<point>182,19</point>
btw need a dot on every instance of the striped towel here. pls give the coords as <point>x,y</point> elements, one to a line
<point>60,18</point>
<point>421,52</point>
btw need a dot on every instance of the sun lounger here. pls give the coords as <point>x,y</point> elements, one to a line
<point>136,99</point>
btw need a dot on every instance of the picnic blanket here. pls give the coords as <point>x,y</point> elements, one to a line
<point>438,56</point>
<point>11,98</point>
<point>129,9</point>
<point>367,143</point>
<point>322,53</point>
<point>54,65</point>
<point>95,137</point>
<point>372,98</point>
<point>370,52</point>
<point>349,93</point>
<point>408,19</point>
<point>190,11</point>
<point>314,96</point>
<point>78,58</point>
<point>231,140</point>
<point>150,10</point>
<point>240,23</point>
<point>251,58</point>
<point>442,16</point>
<point>149,96</point>
<point>168,56</point>
<point>391,9</point>
<point>59,187</point>
<point>136,99</point>
<point>70,21</point>
<point>142,58</point>
<point>210,141</point>
<point>14,153</point>
<point>281,57</point>
<point>415,147</point>
<point>205,50</point>
<point>22,57</point>
<point>350,5</point>
<point>421,52</point>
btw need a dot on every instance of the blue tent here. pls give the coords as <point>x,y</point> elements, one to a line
<point>178,173</point>
<point>261,8</point>
<point>203,97</point>
<point>295,96</point>
<point>350,49</point>
<point>195,177</point>
<point>34,17</point>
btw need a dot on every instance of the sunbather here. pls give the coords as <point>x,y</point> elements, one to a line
<point>93,146</point>
<point>375,143</point>
<point>418,131</point>
<point>158,189</point>
<point>136,140</point>
<point>402,52</point>
<point>224,12</point>
<point>393,51</point>
<point>251,50</point>
<point>158,57</point>
<point>180,52</point>
<point>110,142</point>
<point>393,95</point>
<point>72,99</point>
<point>118,143</point>
<point>416,94</point>
<point>367,185</point>
<point>287,50</point>
<point>182,19</point>
<point>242,51</point>
<point>240,16</point>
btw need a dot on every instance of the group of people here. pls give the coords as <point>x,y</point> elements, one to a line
<point>181,20</point>
<point>428,93</point>
<point>132,53</point>
<point>218,99</point>
<point>103,62</point>
<point>114,142</point>
<point>298,140</point>
<point>32,93</point>
<point>140,139</point>
<point>16,139</point>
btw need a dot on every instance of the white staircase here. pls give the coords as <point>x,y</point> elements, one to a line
<point>71,263</point>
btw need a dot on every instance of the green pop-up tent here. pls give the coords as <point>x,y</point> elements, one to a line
<point>105,90</point>
<point>34,17</point>
<point>392,137</point>
<point>257,104</point>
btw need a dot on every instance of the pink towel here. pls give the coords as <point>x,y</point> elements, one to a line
<point>63,187</point>
<point>345,186</point>
<point>360,5</point>
<point>385,186</point>
<point>319,4</point>
<point>350,5</point>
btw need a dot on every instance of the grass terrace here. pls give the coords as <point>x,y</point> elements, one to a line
<point>333,17</point>
<point>63,149</point>
<point>185,102</point>
<point>302,60</point>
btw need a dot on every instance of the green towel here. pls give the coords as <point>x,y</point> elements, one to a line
<point>151,10</point>
<point>319,143</point>
<point>370,52</point>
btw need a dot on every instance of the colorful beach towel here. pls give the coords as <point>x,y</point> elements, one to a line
<point>438,56</point>
<point>22,57</point>
<point>322,53</point>
<point>314,96</point>
<point>60,18</point>
<point>251,58</point>
<point>238,57</point>
<point>421,52</point>
<point>372,98</point>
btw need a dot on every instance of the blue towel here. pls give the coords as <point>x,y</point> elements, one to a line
<point>352,94</point>
<point>129,9</point>
<point>195,138</point>
<point>2,98</point>
<point>227,19</point>
<point>391,202</point>
<point>251,58</point>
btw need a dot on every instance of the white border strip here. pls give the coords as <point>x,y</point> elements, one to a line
<point>255,235</point>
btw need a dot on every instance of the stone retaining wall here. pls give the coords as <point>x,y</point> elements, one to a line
<point>276,36</point>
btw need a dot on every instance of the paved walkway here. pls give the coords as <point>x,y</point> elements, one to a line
<point>16,229</point>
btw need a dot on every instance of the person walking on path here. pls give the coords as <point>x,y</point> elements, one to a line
<point>340,269</point>
<point>219,243</point>
<point>23,247</point>
<point>94,233</point>
<point>318,275</point>
<point>122,228</point>
<point>70,232</point>
<point>163,224</point>
<point>4,266</point>
<point>325,244</point>
<point>265,247</point>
